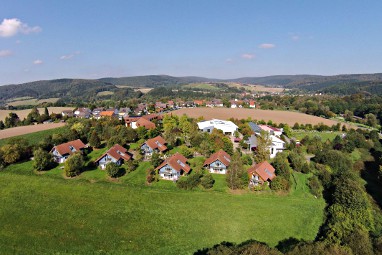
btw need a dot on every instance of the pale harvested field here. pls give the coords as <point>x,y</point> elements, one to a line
<point>10,132</point>
<point>24,113</point>
<point>257,88</point>
<point>33,101</point>
<point>287,117</point>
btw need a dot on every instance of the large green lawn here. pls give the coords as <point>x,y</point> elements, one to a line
<point>299,134</point>
<point>45,213</point>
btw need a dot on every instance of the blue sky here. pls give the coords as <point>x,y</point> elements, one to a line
<point>215,39</point>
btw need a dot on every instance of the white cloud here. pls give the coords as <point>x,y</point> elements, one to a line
<point>11,27</point>
<point>66,57</point>
<point>295,37</point>
<point>38,62</point>
<point>248,56</point>
<point>69,56</point>
<point>5,53</point>
<point>267,46</point>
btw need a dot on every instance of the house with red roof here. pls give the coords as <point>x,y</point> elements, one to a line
<point>145,121</point>
<point>173,167</point>
<point>261,173</point>
<point>157,144</point>
<point>63,151</point>
<point>218,162</point>
<point>116,154</point>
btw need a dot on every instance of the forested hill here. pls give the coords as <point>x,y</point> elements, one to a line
<point>83,89</point>
<point>153,81</point>
<point>293,81</point>
<point>73,89</point>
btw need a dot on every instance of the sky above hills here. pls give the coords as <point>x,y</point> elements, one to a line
<point>209,38</point>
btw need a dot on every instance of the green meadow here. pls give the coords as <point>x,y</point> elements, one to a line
<point>48,214</point>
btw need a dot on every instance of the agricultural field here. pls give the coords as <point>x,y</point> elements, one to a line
<point>143,90</point>
<point>287,117</point>
<point>202,86</point>
<point>30,101</point>
<point>32,137</point>
<point>24,113</point>
<point>105,93</point>
<point>91,214</point>
<point>257,88</point>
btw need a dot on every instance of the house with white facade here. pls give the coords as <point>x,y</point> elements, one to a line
<point>218,162</point>
<point>116,154</point>
<point>63,151</point>
<point>228,127</point>
<point>173,167</point>
<point>157,144</point>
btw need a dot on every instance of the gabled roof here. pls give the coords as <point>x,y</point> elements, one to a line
<point>107,113</point>
<point>142,122</point>
<point>221,155</point>
<point>152,116</point>
<point>178,162</point>
<point>157,143</point>
<point>264,170</point>
<point>117,152</point>
<point>69,147</point>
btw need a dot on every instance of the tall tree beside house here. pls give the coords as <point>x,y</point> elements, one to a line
<point>2,125</point>
<point>155,159</point>
<point>11,153</point>
<point>263,144</point>
<point>74,165</point>
<point>34,115</point>
<point>141,132</point>
<point>235,173</point>
<point>94,140</point>
<point>228,146</point>
<point>42,160</point>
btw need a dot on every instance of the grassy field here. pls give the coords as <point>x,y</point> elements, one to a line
<point>92,215</point>
<point>323,135</point>
<point>35,138</point>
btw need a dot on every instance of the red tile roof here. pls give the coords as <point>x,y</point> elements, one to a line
<point>177,162</point>
<point>264,170</point>
<point>65,148</point>
<point>107,113</point>
<point>221,155</point>
<point>117,152</point>
<point>157,143</point>
<point>142,122</point>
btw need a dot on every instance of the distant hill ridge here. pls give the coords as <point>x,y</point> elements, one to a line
<point>85,88</point>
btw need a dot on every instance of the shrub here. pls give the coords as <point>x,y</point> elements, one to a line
<point>315,186</point>
<point>42,160</point>
<point>207,181</point>
<point>279,184</point>
<point>189,182</point>
<point>112,169</point>
<point>74,165</point>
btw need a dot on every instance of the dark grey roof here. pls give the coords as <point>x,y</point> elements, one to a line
<point>255,128</point>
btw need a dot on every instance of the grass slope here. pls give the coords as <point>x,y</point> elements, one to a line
<point>90,215</point>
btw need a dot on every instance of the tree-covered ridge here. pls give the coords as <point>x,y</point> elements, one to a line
<point>152,81</point>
